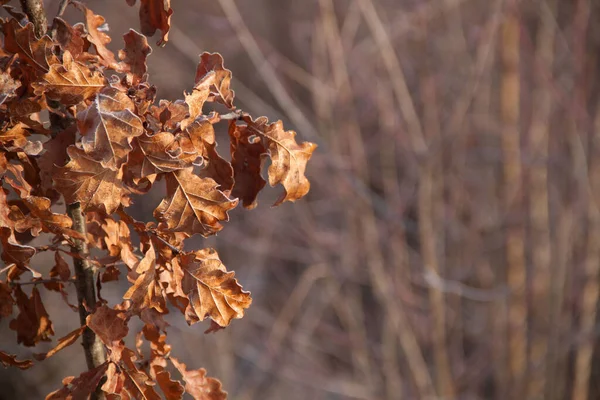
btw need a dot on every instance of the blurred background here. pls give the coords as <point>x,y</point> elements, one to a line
<point>449,247</point>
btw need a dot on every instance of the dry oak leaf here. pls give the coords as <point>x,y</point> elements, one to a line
<point>288,158</point>
<point>41,218</point>
<point>61,268</point>
<point>167,116</point>
<point>118,241</point>
<point>70,38</point>
<point>211,290</point>
<point>55,154</point>
<point>95,26</point>
<point>14,252</point>
<point>198,385</point>
<point>109,324</point>
<point>146,292</point>
<point>84,180</point>
<point>21,40</point>
<point>108,126</point>
<point>63,342</point>
<point>9,360</point>
<point>199,140</point>
<point>32,324</point>
<point>133,57</point>
<point>127,381</point>
<point>154,154</point>
<point>15,137</point>
<point>220,91</point>
<point>248,156</point>
<point>195,100</point>
<point>172,390</point>
<point>8,86</point>
<point>19,183</point>
<point>155,15</point>
<point>82,386</point>
<point>193,204</point>
<point>70,82</point>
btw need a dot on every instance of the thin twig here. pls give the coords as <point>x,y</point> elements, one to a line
<point>41,281</point>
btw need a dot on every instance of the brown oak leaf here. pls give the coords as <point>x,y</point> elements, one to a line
<point>199,140</point>
<point>14,252</point>
<point>108,126</point>
<point>118,241</point>
<point>220,91</point>
<point>15,137</point>
<point>198,385</point>
<point>157,153</point>
<point>41,218</point>
<point>61,268</point>
<point>109,324</point>
<point>63,342</point>
<point>21,40</point>
<point>133,57</point>
<point>94,24</point>
<point>155,15</point>
<point>32,324</point>
<point>248,156</point>
<point>211,290</point>
<point>70,38</point>
<point>9,360</point>
<point>82,386</point>
<point>84,180</point>
<point>146,292</point>
<point>195,100</point>
<point>8,86</point>
<point>70,82</point>
<point>193,204</point>
<point>288,158</point>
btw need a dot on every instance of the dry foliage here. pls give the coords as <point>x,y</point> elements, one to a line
<point>109,138</point>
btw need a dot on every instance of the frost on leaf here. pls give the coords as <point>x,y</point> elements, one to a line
<point>199,140</point>
<point>154,154</point>
<point>211,291</point>
<point>198,385</point>
<point>193,204</point>
<point>108,126</point>
<point>288,158</point>
<point>70,82</point>
<point>220,91</point>
<point>84,180</point>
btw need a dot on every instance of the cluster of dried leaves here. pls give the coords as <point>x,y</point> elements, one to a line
<point>108,139</point>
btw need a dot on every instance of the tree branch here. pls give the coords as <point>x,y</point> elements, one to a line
<point>86,292</point>
<point>36,14</point>
<point>84,270</point>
